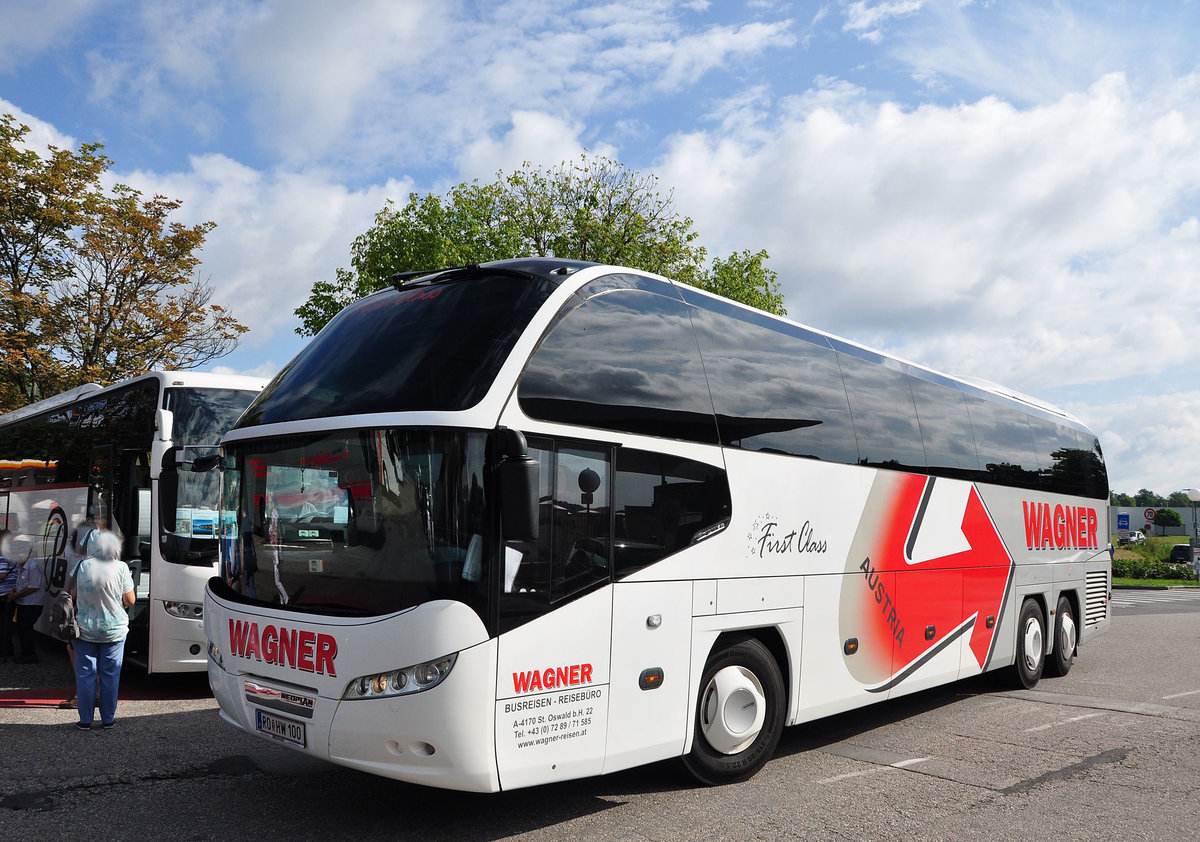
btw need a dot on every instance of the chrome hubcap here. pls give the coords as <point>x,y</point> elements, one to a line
<point>1067,638</point>
<point>732,710</point>
<point>1033,644</point>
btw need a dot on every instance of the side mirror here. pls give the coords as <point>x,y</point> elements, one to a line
<point>518,488</point>
<point>204,464</point>
<point>164,420</point>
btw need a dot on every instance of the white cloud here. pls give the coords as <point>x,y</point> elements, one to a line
<point>41,134</point>
<point>982,237</point>
<point>372,85</point>
<point>534,137</point>
<point>1146,440</point>
<point>1034,51</point>
<point>318,69</point>
<point>277,233</point>
<point>26,29</point>
<point>865,18</point>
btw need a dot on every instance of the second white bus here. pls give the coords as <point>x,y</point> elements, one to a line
<point>535,520</point>
<point>121,457</point>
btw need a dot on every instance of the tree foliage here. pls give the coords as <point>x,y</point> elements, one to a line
<point>1167,517</point>
<point>1146,497</point>
<point>594,209</point>
<point>98,284</point>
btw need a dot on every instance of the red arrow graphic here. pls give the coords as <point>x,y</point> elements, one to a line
<point>922,606</point>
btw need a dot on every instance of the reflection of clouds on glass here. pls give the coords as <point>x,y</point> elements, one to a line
<point>786,391</point>
<point>885,420</point>
<point>1002,434</point>
<point>765,373</point>
<point>623,349</point>
<point>945,426</point>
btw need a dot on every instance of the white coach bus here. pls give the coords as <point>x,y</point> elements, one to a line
<point>536,519</point>
<point>120,458</point>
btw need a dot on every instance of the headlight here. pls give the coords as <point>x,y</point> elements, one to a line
<point>187,610</point>
<point>401,682</point>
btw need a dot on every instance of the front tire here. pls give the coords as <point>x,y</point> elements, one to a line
<point>1065,639</point>
<point>1031,648</point>
<point>739,713</point>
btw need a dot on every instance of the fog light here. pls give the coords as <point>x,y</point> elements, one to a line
<point>185,610</point>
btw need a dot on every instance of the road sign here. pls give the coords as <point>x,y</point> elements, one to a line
<point>1123,521</point>
<point>1149,513</point>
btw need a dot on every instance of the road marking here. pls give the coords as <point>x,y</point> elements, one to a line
<point>1181,695</point>
<point>1131,597</point>
<point>1063,722</point>
<point>899,764</point>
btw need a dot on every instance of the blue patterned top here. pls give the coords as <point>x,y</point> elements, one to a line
<point>101,613</point>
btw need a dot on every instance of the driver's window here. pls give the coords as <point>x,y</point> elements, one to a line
<point>573,551</point>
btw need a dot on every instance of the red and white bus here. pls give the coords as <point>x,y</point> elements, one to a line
<point>122,455</point>
<point>535,520</point>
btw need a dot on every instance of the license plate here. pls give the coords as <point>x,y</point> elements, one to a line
<point>279,728</point>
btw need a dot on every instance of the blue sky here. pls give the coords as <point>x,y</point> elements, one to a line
<point>1003,190</point>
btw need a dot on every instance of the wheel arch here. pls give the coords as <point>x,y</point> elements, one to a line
<point>771,643</point>
<point>773,639</point>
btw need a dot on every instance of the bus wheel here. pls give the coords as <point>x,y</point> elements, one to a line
<point>1064,639</point>
<point>1031,634</point>
<point>739,714</point>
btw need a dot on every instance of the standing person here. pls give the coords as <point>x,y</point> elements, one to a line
<point>76,551</point>
<point>8,582</point>
<point>29,595</point>
<point>103,591</point>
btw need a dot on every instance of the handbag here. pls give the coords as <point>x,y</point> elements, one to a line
<point>63,623</point>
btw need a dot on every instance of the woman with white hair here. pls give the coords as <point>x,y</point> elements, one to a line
<point>103,592</point>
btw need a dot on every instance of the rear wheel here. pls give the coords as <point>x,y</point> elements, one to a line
<point>1031,636</point>
<point>739,713</point>
<point>1065,632</point>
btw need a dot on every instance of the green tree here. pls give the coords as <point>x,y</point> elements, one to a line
<point>1167,517</point>
<point>99,283</point>
<point>1146,497</point>
<point>130,303</point>
<point>1119,499</point>
<point>744,277</point>
<point>1179,499</point>
<point>41,201</point>
<point>594,209</point>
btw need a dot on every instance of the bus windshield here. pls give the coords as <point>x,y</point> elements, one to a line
<point>359,523</point>
<point>200,418</point>
<point>428,347</point>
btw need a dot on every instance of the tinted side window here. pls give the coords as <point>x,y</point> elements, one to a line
<point>624,360</point>
<point>772,390</point>
<point>1068,460</point>
<point>661,503</point>
<point>945,429</point>
<point>1094,476</point>
<point>1005,443</point>
<point>885,418</point>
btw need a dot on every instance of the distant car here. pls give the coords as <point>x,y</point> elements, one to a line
<point>1132,538</point>
<point>1181,554</point>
